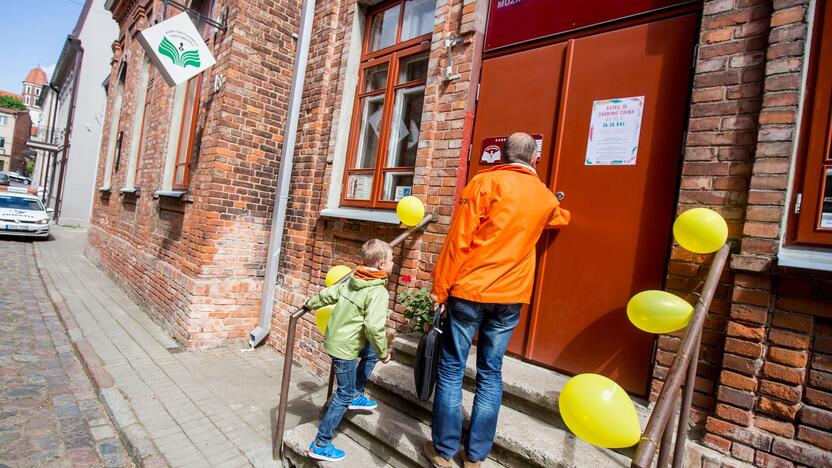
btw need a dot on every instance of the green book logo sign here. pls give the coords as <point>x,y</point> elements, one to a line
<point>179,56</point>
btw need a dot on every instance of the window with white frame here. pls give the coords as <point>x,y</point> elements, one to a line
<point>387,114</point>
<point>182,139</point>
<point>114,137</point>
<point>142,99</point>
<point>4,120</point>
<point>810,220</point>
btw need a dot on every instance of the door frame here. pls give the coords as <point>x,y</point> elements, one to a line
<point>569,37</point>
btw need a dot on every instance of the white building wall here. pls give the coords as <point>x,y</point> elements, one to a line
<point>97,35</point>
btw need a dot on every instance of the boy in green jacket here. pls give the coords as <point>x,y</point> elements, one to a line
<point>356,330</point>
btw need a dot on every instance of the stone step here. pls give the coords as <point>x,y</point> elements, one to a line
<point>296,447</point>
<point>521,440</point>
<point>527,388</point>
<point>393,435</point>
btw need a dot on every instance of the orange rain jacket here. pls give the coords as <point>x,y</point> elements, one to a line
<point>489,255</point>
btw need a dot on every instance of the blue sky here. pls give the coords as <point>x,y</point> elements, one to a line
<point>32,33</point>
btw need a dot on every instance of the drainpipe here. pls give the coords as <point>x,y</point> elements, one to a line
<point>281,198</point>
<point>76,75</point>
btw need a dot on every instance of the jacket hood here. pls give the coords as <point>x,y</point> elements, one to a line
<point>366,278</point>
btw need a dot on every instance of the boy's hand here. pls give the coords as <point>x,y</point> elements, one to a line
<point>387,359</point>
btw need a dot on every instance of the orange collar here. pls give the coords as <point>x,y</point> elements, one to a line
<point>366,273</point>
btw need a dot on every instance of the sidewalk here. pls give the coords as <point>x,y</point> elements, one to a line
<point>202,408</point>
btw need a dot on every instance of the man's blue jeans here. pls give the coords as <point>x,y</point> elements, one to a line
<point>495,323</point>
<point>352,377</point>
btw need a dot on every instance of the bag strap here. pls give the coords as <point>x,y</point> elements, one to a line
<point>437,319</point>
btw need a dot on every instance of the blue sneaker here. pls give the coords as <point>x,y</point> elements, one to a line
<point>328,453</point>
<point>362,403</point>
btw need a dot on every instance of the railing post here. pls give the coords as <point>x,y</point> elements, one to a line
<point>284,384</point>
<point>684,414</point>
<point>666,402</point>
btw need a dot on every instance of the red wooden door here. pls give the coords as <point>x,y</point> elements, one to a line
<point>618,241</point>
<point>518,93</point>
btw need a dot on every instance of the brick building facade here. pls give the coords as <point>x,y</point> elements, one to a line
<point>195,256</point>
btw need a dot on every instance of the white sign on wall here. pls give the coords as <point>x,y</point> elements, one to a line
<point>177,49</point>
<point>613,132</point>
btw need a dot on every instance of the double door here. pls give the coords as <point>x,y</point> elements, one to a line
<point>618,241</point>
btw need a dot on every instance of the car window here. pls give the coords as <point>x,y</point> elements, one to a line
<point>20,203</point>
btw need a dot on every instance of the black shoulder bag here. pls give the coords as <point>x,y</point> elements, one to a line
<point>427,358</point>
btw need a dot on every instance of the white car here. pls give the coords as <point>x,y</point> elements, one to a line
<point>22,214</point>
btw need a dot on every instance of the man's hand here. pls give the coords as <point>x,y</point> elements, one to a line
<point>438,307</point>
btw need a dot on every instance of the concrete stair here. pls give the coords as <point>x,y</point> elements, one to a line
<point>529,433</point>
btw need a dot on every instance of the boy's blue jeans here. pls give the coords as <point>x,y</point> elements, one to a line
<point>352,377</point>
<point>495,323</point>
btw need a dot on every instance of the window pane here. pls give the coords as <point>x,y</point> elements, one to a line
<point>418,18</point>
<point>383,32</point>
<point>826,202</point>
<point>414,67</point>
<point>404,128</point>
<point>397,185</point>
<point>375,78</point>
<point>360,186</point>
<point>368,138</point>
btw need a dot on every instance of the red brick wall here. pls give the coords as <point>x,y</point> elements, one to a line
<point>197,263</point>
<point>763,392</point>
<point>22,131</point>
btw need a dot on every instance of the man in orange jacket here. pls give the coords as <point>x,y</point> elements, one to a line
<point>485,274</point>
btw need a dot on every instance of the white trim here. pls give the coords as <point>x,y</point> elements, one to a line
<point>179,93</point>
<point>787,206</point>
<point>342,131</point>
<point>813,259</point>
<point>138,117</point>
<point>170,193</point>
<point>377,216</point>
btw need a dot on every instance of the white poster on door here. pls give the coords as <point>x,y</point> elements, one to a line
<point>613,132</point>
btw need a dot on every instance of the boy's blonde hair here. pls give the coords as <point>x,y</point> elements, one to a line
<point>374,251</point>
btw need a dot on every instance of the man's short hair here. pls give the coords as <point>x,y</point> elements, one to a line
<point>374,251</point>
<point>520,148</point>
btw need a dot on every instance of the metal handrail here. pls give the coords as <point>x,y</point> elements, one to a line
<point>685,362</point>
<point>290,347</point>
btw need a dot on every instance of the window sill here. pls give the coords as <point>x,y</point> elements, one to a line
<point>376,216</point>
<point>104,188</point>
<point>170,194</point>
<point>130,191</point>
<point>806,258</point>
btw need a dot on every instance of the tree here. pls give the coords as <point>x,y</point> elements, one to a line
<point>11,102</point>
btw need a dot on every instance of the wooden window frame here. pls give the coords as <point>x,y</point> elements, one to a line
<point>194,108</point>
<point>814,154</point>
<point>392,55</point>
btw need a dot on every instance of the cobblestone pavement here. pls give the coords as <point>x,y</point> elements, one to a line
<point>49,413</point>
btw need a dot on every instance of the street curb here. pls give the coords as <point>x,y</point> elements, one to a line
<point>133,435</point>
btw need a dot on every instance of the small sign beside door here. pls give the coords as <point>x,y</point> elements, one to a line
<point>614,131</point>
<point>492,149</point>
<point>177,49</point>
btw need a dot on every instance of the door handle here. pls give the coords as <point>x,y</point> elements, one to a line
<point>560,195</point>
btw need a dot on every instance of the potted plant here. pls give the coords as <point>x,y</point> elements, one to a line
<point>418,307</point>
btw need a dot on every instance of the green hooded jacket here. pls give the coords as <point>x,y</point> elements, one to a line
<point>360,314</point>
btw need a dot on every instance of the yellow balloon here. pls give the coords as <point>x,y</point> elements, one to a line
<point>322,316</point>
<point>336,273</point>
<point>599,411</point>
<point>700,230</point>
<point>659,312</point>
<point>410,210</point>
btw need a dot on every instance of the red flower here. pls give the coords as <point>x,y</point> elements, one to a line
<point>406,278</point>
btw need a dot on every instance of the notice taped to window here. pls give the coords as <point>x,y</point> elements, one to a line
<point>826,202</point>
<point>613,132</point>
